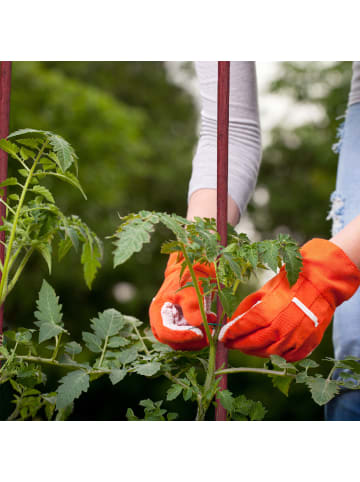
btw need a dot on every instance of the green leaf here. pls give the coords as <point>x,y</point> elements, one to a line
<point>116,375</point>
<point>73,348</point>
<point>293,263</point>
<point>282,383</point>
<point>118,341</point>
<point>10,181</point>
<point>322,390</point>
<point>63,151</point>
<point>43,191</point>
<point>45,250</point>
<point>173,223</point>
<point>24,132</point>
<point>128,355</point>
<point>226,399</point>
<point>131,239</point>
<point>63,247</point>
<point>269,253</point>
<point>258,411</point>
<point>48,315</point>
<point>148,369</point>
<point>9,147</point>
<point>281,362</point>
<point>308,363</point>
<point>108,323</point>
<point>71,387</point>
<point>173,392</point>
<point>70,178</point>
<point>130,415</point>
<point>90,258</point>
<point>93,343</point>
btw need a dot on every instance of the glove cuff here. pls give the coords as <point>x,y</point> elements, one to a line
<point>330,270</point>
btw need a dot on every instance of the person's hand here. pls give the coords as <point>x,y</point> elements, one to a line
<point>291,321</point>
<point>175,317</point>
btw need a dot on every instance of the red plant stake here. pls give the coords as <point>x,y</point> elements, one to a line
<point>222,198</point>
<point>5,83</point>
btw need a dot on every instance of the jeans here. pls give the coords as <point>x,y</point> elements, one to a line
<point>345,207</point>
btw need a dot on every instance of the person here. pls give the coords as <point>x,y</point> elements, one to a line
<point>277,319</point>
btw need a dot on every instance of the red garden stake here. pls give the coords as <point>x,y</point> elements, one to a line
<point>222,198</point>
<point>5,84</point>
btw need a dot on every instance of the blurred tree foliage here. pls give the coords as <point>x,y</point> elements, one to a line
<point>134,131</point>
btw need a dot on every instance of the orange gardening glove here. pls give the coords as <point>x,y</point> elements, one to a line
<point>291,321</point>
<point>175,317</point>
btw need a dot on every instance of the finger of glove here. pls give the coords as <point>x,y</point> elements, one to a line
<point>251,321</point>
<point>188,301</point>
<point>169,325</point>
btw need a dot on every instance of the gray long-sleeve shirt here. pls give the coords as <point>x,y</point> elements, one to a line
<point>244,129</point>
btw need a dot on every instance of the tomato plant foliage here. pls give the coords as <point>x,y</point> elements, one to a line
<point>116,345</point>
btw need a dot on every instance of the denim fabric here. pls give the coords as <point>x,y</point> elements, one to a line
<point>345,207</point>
<point>344,407</point>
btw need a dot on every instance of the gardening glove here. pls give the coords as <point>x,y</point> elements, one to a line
<point>291,321</point>
<point>175,317</point>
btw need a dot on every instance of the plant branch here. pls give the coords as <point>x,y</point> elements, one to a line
<point>5,273</point>
<point>263,371</point>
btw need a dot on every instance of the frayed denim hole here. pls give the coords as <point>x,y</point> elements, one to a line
<point>339,136</point>
<point>336,212</point>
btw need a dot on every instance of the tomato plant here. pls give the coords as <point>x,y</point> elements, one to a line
<point>117,345</point>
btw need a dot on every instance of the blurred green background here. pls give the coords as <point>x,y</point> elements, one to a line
<point>135,131</point>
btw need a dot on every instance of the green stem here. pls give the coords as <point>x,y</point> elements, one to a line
<point>103,352</point>
<point>57,346</point>
<point>141,339</point>
<point>16,219</point>
<point>199,295</point>
<point>19,270</point>
<point>228,371</point>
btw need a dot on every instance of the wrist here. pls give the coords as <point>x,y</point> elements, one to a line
<point>203,204</point>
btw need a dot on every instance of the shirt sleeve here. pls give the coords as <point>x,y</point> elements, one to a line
<point>244,132</point>
<point>354,95</point>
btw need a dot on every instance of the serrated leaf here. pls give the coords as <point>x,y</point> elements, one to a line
<point>258,411</point>
<point>73,348</point>
<point>63,151</point>
<point>108,323</point>
<point>43,191</point>
<point>116,375</point>
<point>118,341</point>
<point>71,387</point>
<point>128,355</point>
<point>226,399</point>
<point>93,343</point>
<point>148,369</point>
<point>282,383</point>
<point>70,178</point>
<point>9,147</point>
<point>45,250</point>
<point>269,252</point>
<point>293,263</point>
<point>48,314</point>
<point>90,258</point>
<point>308,363</point>
<point>322,390</point>
<point>281,362</point>
<point>63,248</point>
<point>172,223</point>
<point>130,240</point>
<point>173,392</point>
<point>23,132</point>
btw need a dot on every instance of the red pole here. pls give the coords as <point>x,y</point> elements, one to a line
<point>5,85</point>
<point>222,198</point>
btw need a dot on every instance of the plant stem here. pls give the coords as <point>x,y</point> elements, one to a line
<point>199,296</point>
<point>57,346</point>
<point>253,370</point>
<point>5,271</point>
<point>103,352</point>
<point>19,270</point>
